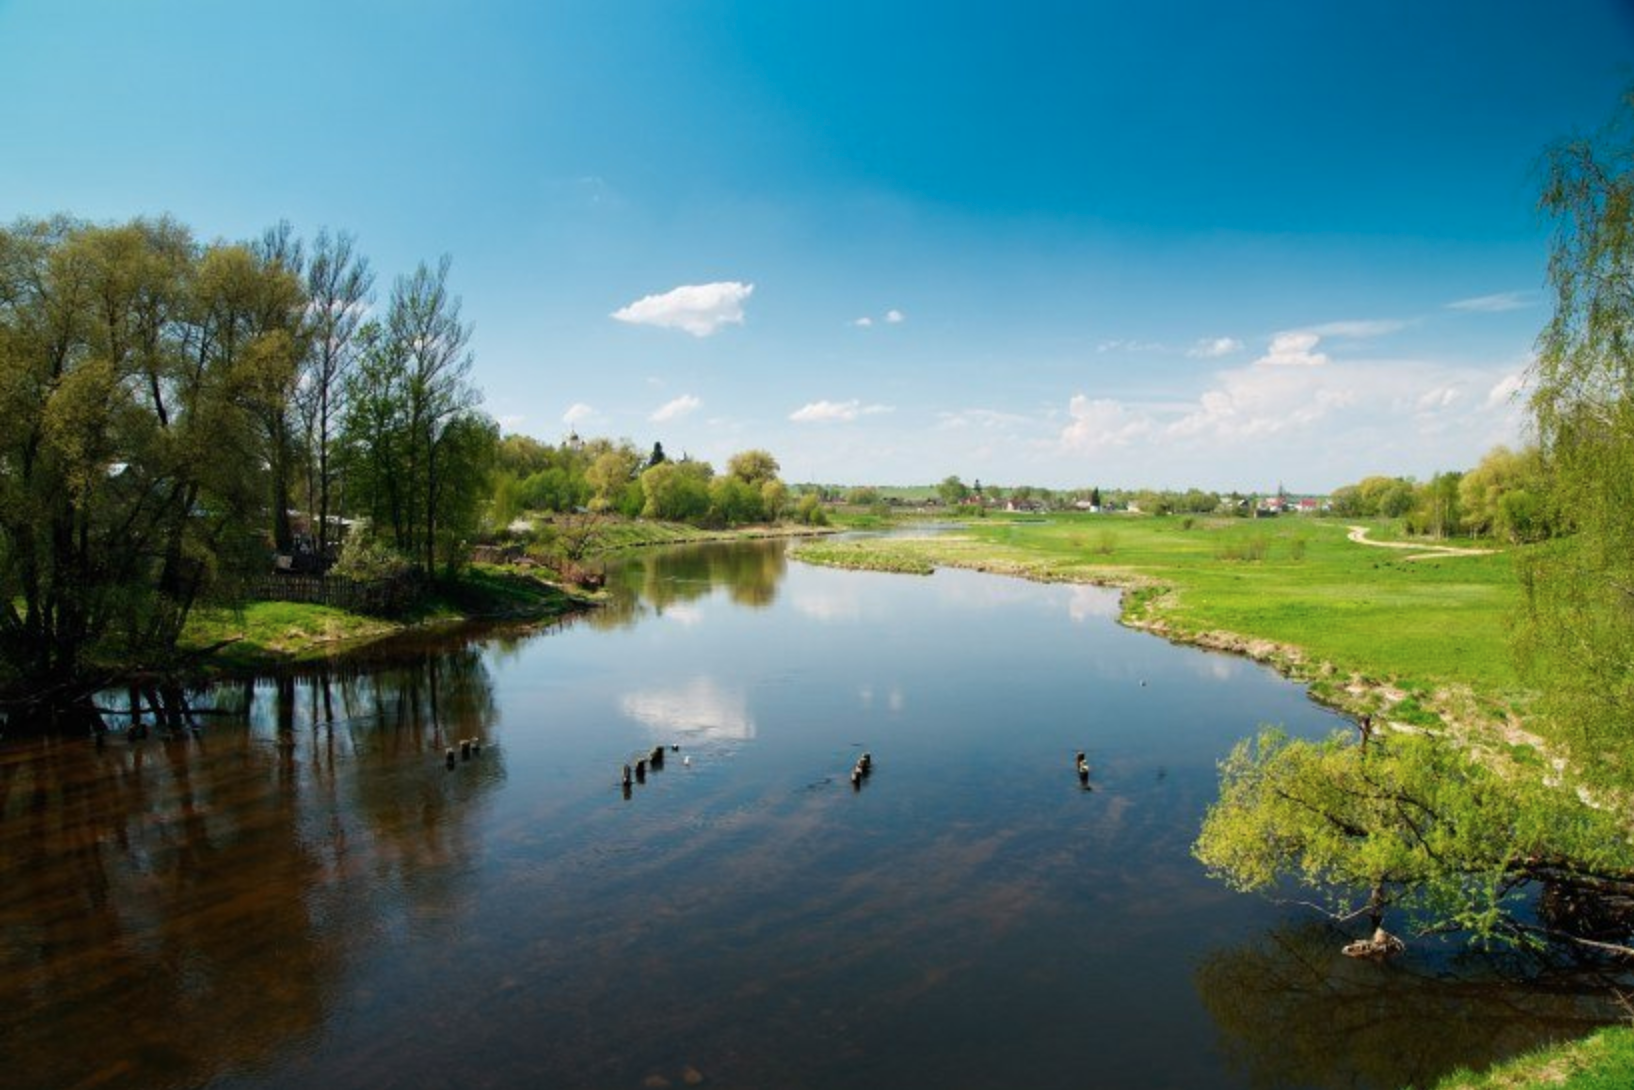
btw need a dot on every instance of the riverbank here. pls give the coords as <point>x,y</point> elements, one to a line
<point>1422,643</point>
<point>266,634</point>
<point>263,635</point>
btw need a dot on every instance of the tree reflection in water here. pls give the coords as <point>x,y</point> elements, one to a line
<point>663,579</point>
<point>178,908</point>
<point>1291,1011</point>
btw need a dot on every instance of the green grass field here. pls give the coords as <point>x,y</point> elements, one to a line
<point>1421,626</point>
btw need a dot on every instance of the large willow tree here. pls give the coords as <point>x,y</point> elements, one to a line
<point>1580,592</point>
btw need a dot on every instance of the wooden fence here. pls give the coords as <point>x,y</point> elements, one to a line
<point>384,596</point>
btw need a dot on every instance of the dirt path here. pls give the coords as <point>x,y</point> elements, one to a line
<point>1358,534</point>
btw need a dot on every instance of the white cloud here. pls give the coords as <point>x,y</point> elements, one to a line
<point>701,707</point>
<point>1212,348</point>
<point>698,309</point>
<point>828,412</point>
<point>1506,391</point>
<point>1293,349</point>
<point>891,317</point>
<point>674,410</point>
<point>509,422</point>
<point>1099,424</point>
<point>1492,304</point>
<point>577,413</point>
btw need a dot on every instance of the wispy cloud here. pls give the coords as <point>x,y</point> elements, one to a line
<point>1493,304</point>
<point>864,323</point>
<point>674,410</point>
<point>1129,346</point>
<point>698,309</point>
<point>1212,348</point>
<point>577,413</point>
<point>830,412</point>
<point>895,317</point>
<point>1367,327</point>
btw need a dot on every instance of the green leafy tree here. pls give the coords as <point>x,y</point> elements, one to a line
<point>734,502</point>
<point>808,510</point>
<point>338,284</point>
<point>1410,825</point>
<point>752,467</point>
<point>1503,496</point>
<point>130,469</point>
<point>1436,508</point>
<point>610,473</point>
<point>1580,593</point>
<point>412,426</point>
<point>677,491</point>
<point>952,491</point>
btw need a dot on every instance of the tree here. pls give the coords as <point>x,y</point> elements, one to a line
<point>1503,495</point>
<point>1436,511</point>
<point>338,286</point>
<point>677,491</point>
<point>412,422</point>
<point>132,364</point>
<point>1411,825</point>
<point>610,473</point>
<point>254,294</point>
<point>808,510</point>
<point>952,491</point>
<point>752,467</point>
<point>734,502</point>
<point>1580,593</point>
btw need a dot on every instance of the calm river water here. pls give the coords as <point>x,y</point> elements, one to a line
<point>305,896</point>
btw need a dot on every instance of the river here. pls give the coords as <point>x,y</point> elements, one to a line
<point>303,894</point>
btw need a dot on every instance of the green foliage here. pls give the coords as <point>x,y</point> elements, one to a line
<point>808,510</point>
<point>1579,631</point>
<point>1406,822</point>
<point>952,491</point>
<point>365,559</point>
<point>676,491</point>
<point>138,374</point>
<point>1437,511</point>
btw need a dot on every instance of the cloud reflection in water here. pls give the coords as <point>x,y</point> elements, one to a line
<point>700,707</point>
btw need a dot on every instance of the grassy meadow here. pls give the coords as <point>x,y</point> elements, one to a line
<point>1424,629</point>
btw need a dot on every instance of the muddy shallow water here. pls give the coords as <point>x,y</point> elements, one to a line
<point>303,894</point>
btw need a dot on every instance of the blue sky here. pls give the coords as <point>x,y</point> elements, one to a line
<point>1168,244</point>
